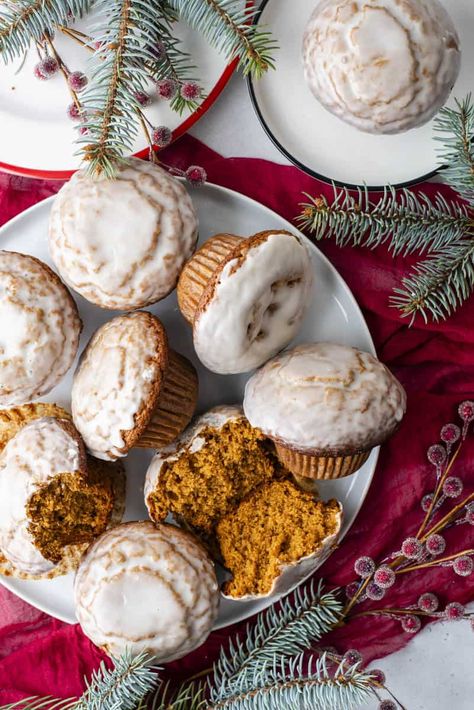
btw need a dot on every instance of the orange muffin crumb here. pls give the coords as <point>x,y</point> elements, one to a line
<point>276,525</point>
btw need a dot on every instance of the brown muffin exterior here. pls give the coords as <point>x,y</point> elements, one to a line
<point>313,466</point>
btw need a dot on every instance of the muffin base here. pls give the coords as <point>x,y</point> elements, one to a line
<point>199,271</point>
<point>176,404</point>
<point>321,468</point>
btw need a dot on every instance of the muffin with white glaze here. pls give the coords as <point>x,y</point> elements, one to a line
<point>131,389</point>
<point>383,66</point>
<point>40,328</point>
<point>142,587</point>
<point>54,500</point>
<point>222,480</point>
<point>122,243</point>
<point>325,406</point>
<point>245,298</point>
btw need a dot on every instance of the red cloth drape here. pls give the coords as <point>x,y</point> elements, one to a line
<point>435,362</point>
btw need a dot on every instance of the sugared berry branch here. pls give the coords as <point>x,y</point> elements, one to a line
<point>440,230</point>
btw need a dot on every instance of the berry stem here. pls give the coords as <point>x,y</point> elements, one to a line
<point>434,563</point>
<point>355,598</point>
<point>63,69</point>
<point>448,517</point>
<point>87,42</point>
<point>438,490</point>
<point>400,612</point>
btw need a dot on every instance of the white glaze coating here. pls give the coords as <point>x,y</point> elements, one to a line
<point>257,306</point>
<point>122,243</point>
<point>292,575</point>
<point>324,396</point>
<point>189,441</point>
<point>384,66</point>
<point>38,452</point>
<point>39,329</point>
<point>146,588</point>
<point>115,377</point>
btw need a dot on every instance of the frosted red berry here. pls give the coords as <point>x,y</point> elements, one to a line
<point>158,50</point>
<point>450,433</point>
<point>384,577</point>
<point>466,411</point>
<point>364,567</point>
<point>411,624</point>
<point>195,175</point>
<point>190,91</point>
<point>143,98</point>
<point>352,656</point>
<point>378,676</point>
<point>426,502</point>
<point>48,67</point>
<point>387,705</point>
<point>452,487</point>
<point>436,544</point>
<point>77,81</point>
<point>437,454</point>
<point>161,136</point>
<point>454,611</point>
<point>73,112</point>
<point>411,548</point>
<point>374,592</point>
<point>166,89</point>
<point>352,589</point>
<point>428,602</point>
<point>38,73</point>
<point>470,517</point>
<point>463,566</point>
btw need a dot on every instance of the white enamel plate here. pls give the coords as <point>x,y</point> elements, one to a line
<point>321,144</point>
<point>334,315</point>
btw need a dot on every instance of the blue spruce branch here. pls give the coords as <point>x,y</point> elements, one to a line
<point>455,130</point>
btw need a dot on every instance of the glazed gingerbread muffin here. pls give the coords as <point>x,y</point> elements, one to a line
<point>326,406</point>
<point>54,500</point>
<point>40,329</point>
<point>222,480</point>
<point>384,66</point>
<point>122,243</point>
<point>245,298</point>
<point>131,389</point>
<point>144,587</point>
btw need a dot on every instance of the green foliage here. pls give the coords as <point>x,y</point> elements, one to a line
<point>282,632</point>
<point>47,703</point>
<point>25,21</point>
<point>405,222</point>
<point>227,25</point>
<point>298,683</point>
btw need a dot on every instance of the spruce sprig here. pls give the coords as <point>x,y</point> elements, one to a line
<point>297,624</point>
<point>299,683</point>
<point>227,25</point>
<point>406,222</point>
<point>25,21</point>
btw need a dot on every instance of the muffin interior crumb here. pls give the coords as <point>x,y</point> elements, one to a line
<point>274,526</point>
<point>69,509</point>
<point>201,487</point>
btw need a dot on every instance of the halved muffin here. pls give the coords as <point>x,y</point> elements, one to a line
<point>222,480</point>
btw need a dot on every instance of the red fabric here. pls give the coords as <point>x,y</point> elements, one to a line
<point>434,362</point>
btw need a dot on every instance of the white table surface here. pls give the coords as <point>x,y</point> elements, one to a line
<point>435,670</point>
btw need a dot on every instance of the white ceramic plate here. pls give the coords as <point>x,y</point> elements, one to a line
<point>334,316</point>
<point>320,143</point>
<point>36,136</point>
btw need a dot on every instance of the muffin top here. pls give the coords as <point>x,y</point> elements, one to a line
<point>40,328</point>
<point>256,303</point>
<point>117,383</point>
<point>121,243</point>
<point>383,66</point>
<point>41,450</point>
<point>146,588</point>
<point>325,398</point>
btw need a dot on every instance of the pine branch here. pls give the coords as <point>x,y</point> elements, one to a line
<point>440,284</point>
<point>190,696</point>
<point>226,24</point>
<point>124,687</point>
<point>127,31</point>
<point>455,129</point>
<point>36,703</point>
<point>405,223</point>
<point>301,620</point>
<point>26,21</point>
<point>299,683</point>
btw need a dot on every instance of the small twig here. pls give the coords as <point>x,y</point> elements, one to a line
<point>64,70</point>
<point>438,490</point>
<point>434,563</point>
